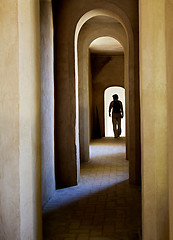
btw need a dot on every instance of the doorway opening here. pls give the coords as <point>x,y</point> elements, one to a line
<point>120,91</point>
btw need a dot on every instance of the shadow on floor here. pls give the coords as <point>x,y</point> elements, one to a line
<point>114,213</point>
<point>104,206</point>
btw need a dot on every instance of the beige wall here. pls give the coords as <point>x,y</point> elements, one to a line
<point>169,74</point>
<point>20,192</point>
<point>154,120</point>
<point>29,122</point>
<point>9,122</point>
<point>47,101</point>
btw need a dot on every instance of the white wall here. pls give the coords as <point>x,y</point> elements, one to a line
<point>108,120</point>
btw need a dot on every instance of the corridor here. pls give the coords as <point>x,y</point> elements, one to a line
<point>103,206</point>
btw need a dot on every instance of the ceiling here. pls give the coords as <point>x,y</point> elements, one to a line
<point>102,19</point>
<point>106,46</point>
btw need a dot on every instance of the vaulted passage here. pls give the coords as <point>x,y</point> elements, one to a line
<point>52,80</point>
<point>104,205</point>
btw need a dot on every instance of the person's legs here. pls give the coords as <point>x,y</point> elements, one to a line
<point>115,123</point>
<point>119,126</point>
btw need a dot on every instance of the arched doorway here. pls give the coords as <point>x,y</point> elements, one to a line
<point>83,76</point>
<point>108,121</point>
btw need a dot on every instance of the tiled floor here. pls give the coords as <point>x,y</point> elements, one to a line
<point>103,206</point>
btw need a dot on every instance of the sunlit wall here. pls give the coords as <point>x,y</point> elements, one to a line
<point>108,120</point>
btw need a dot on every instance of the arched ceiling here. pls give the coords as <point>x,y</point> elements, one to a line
<point>102,19</point>
<point>106,46</point>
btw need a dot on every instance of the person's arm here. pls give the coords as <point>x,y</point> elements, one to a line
<point>110,107</point>
<point>121,109</point>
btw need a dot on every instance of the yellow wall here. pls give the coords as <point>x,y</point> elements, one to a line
<point>154,120</point>
<point>169,72</point>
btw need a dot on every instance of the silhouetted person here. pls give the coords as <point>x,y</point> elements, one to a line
<point>117,113</point>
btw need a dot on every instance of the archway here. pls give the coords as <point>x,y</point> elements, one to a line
<point>132,139</point>
<point>111,29</point>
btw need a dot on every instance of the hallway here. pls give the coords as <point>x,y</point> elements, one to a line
<point>103,206</point>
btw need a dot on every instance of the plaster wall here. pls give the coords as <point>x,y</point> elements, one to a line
<point>9,122</point>
<point>90,99</point>
<point>169,74</point>
<point>29,122</point>
<point>20,193</point>
<point>47,101</point>
<point>154,120</point>
<point>65,146</point>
